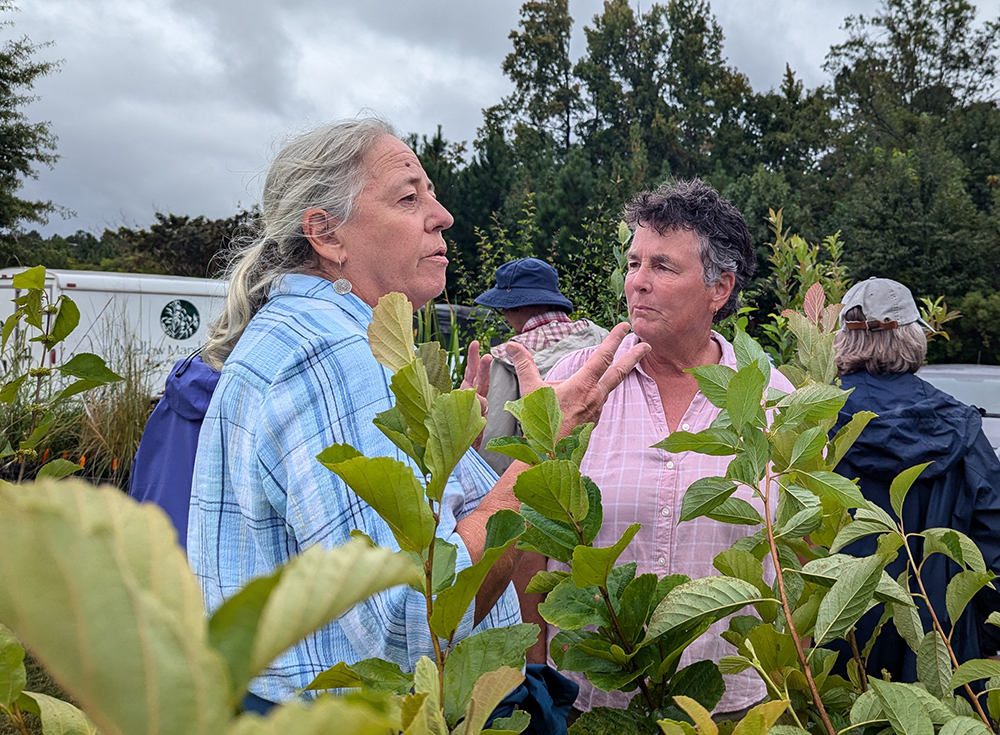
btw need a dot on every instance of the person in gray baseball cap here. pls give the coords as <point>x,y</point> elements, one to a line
<point>880,346</point>
<point>527,293</point>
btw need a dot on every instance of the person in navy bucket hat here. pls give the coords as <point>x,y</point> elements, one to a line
<point>525,282</point>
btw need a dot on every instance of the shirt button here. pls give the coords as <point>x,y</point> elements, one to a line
<point>661,561</point>
<point>686,426</point>
<point>665,512</point>
<point>670,465</point>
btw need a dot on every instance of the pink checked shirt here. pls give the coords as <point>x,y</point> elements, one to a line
<point>644,485</point>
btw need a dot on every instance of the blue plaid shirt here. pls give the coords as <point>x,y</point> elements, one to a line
<point>301,378</point>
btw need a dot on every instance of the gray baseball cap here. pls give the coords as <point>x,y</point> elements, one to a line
<point>885,304</point>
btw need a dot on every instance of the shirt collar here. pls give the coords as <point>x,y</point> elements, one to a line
<point>728,353</point>
<point>544,318</point>
<point>316,287</point>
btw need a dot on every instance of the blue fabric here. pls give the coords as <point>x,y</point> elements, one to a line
<point>546,695</point>
<point>961,490</point>
<point>525,282</point>
<point>164,462</point>
<point>301,378</point>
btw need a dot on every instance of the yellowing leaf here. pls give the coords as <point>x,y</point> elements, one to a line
<point>391,332</point>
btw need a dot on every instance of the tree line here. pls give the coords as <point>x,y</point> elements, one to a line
<point>899,151</point>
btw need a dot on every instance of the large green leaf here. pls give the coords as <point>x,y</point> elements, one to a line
<point>701,681</point>
<point>515,447</point>
<point>808,444</point>
<point>30,278</point>
<point>435,360</point>
<point>848,599</point>
<point>591,525</point>
<point>704,495</point>
<point>67,319</point>
<point>813,402</point>
<point>901,486</point>
<point>454,422</point>
<point>544,582</point>
<point>742,565</point>
<point>10,389</point>
<point>541,419</point>
<point>833,486</point>
<point>692,603</point>
<point>390,488</point>
<point>748,352</point>
<point>934,664</point>
<point>478,654</point>
<point>902,708</point>
<point>324,716</point>
<point>487,693</point>
<point>58,717</point>
<point>801,524</point>
<point>392,423</point>
<point>513,725</point>
<point>414,397</point>
<point>964,726</point>
<point>315,587</point>
<point>735,511</point>
<point>715,442</point>
<point>391,331</point>
<point>848,434</point>
<point>89,367</point>
<point>713,382</point>
<point>961,589</point>
<point>955,545</point>
<point>95,585</point>
<point>974,670</point>
<point>745,397</point>
<point>372,673</point>
<point>853,531</point>
<point>636,604</point>
<point>907,623</point>
<point>502,530</point>
<point>570,608</point>
<point>13,677</point>
<point>57,469</point>
<point>555,489</point>
<point>591,566</point>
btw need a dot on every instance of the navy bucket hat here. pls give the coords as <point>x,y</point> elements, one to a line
<point>525,282</point>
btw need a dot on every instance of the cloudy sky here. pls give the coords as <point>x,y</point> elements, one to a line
<point>175,105</point>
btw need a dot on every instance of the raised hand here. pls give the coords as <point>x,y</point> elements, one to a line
<point>477,375</point>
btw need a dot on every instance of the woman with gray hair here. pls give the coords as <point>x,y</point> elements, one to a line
<point>880,345</point>
<point>348,215</point>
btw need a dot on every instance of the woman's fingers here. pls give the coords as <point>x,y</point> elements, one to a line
<point>528,377</point>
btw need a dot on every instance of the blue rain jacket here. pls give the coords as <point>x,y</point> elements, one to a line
<point>162,469</point>
<point>961,490</point>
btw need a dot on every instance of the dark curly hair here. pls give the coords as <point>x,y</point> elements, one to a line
<point>695,206</point>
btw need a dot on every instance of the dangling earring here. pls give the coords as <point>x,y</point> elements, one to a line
<point>342,286</point>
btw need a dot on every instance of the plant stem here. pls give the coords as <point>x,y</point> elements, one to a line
<point>853,640</point>
<point>18,718</point>
<point>439,658</point>
<point>38,394</point>
<point>616,624</point>
<point>788,611</point>
<point>940,631</point>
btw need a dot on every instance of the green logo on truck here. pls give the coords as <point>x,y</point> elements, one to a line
<point>180,319</point>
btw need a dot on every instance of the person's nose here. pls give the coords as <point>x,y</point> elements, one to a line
<point>638,280</point>
<point>439,218</point>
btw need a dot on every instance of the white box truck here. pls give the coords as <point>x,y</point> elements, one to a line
<point>168,316</point>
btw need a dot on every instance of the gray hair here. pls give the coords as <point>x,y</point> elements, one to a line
<point>695,206</point>
<point>324,168</point>
<point>880,351</point>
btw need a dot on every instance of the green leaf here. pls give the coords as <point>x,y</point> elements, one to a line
<point>809,443</point>
<point>734,664</point>
<point>744,398</point>
<point>701,716</point>
<point>692,603</point>
<point>701,681</point>
<point>582,434</point>
<point>414,398</point>
<point>570,608</point>
<point>541,419</point>
<point>801,524</point>
<point>867,708</point>
<point>555,489</point>
<point>853,531</point>
<point>58,717</point>
<point>832,486</point>
<point>994,618</point>
<point>901,485</point>
<point>77,387</point>
<point>391,332</point>
<point>30,278</point>
<point>391,489</point>
<point>57,469</point>
<point>487,693</point>
<point>813,402</point>
<point>9,324</point>
<point>902,708</point>
<point>591,566</point>
<point>392,423</point>
<point>513,725</point>
<point>715,442</point>
<point>713,382</point>
<point>955,545</point>
<point>89,367</point>
<point>352,715</point>
<point>478,654</point>
<point>67,319</point>
<point>636,605</point>
<point>848,434</point>
<point>736,511</point>
<point>502,530</point>
<point>13,677</point>
<point>848,599</point>
<point>515,447</point>
<point>748,352</point>
<point>592,524</point>
<point>435,361</point>
<point>40,431</point>
<point>964,726</point>
<point>372,673</point>
<point>9,391</point>
<point>454,422</point>
<point>742,565</point>
<point>273,613</point>
<point>31,308</point>
<point>934,664</point>
<point>544,582</point>
<point>705,495</point>
<point>961,589</point>
<point>974,670</point>
<point>443,573</point>
<point>113,611</point>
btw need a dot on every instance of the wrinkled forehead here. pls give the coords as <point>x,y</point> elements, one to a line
<point>392,162</point>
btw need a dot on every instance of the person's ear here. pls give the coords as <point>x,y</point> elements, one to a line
<point>723,288</point>
<point>320,229</point>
